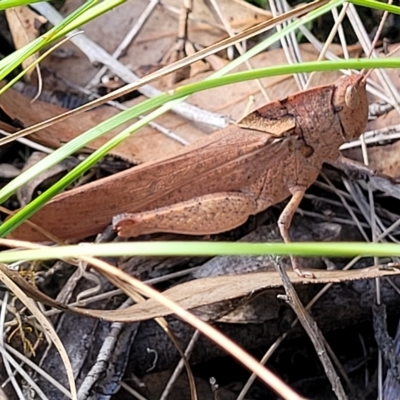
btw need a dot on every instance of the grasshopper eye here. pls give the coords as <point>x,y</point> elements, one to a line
<point>351,97</point>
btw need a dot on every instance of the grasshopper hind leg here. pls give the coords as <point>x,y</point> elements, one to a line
<point>204,215</point>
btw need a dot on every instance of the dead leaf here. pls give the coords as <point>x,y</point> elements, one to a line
<point>206,291</point>
<point>24,25</point>
<point>202,292</point>
<point>20,109</point>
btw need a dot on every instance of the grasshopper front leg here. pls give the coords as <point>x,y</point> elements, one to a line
<point>204,215</point>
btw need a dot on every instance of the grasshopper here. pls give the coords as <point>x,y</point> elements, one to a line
<point>214,185</point>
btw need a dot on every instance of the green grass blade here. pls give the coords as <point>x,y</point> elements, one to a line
<point>83,14</point>
<point>5,4</point>
<point>378,5</point>
<point>153,249</point>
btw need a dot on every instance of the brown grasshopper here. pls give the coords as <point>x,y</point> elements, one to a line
<point>217,183</point>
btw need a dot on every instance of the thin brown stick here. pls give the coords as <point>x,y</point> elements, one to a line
<point>312,330</point>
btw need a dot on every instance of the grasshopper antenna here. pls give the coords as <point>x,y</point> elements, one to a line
<point>374,42</point>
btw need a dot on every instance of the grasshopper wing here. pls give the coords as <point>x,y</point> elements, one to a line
<point>226,161</point>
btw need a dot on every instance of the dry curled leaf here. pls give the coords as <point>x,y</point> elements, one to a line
<point>200,292</point>
<point>24,25</point>
<point>212,290</point>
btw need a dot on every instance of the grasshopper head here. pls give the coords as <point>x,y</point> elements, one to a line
<point>350,99</point>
